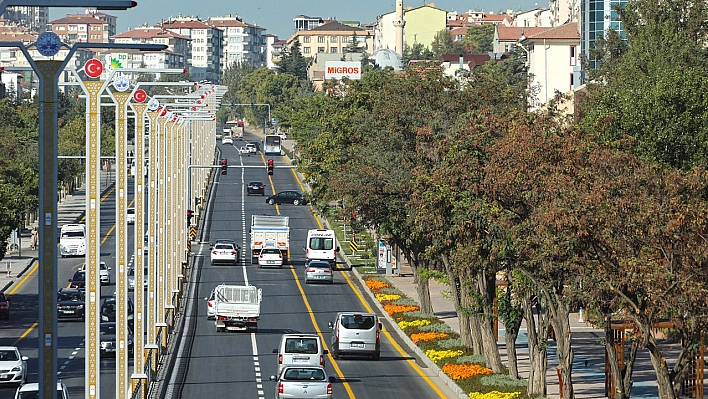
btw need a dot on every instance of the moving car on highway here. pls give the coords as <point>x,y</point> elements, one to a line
<point>270,257</point>
<point>12,365</point>
<point>319,271</point>
<point>286,197</point>
<point>224,252</point>
<point>304,382</point>
<point>256,187</point>
<point>70,304</point>
<point>104,272</point>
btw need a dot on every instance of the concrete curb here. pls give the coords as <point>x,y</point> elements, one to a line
<point>402,335</point>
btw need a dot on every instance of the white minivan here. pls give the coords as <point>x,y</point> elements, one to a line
<point>321,245</point>
<point>300,349</point>
<point>355,333</point>
<point>72,240</point>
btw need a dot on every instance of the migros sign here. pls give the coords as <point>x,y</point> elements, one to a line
<point>339,69</point>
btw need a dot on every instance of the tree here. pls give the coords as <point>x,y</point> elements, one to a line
<point>354,45</point>
<point>263,86</point>
<point>442,43</point>
<point>292,62</point>
<point>478,39</point>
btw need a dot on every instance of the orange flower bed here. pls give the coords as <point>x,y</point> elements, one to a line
<point>427,336</point>
<point>466,370</point>
<point>376,284</point>
<point>391,309</point>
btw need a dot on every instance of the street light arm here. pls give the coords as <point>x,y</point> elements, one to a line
<point>98,4</point>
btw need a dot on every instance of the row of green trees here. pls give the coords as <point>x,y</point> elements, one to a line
<point>605,210</point>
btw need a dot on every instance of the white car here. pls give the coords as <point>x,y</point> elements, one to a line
<point>244,151</point>
<point>227,140</point>
<point>224,252</point>
<point>211,314</point>
<point>31,390</point>
<point>252,148</point>
<point>296,381</point>
<point>131,279</point>
<point>104,273</point>
<point>130,216</point>
<point>13,365</point>
<point>270,257</point>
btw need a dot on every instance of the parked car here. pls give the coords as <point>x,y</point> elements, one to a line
<point>270,257</point>
<point>109,310</point>
<point>224,252</point>
<point>4,306</point>
<point>130,216</point>
<point>210,305</point>
<point>256,187</point>
<point>319,271</point>
<point>287,197</point>
<point>104,272</point>
<point>78,280</point>
<point>12,365</point>
<point>71,304</point>
<point>108,338</point>
<point>31,391</point>
<point>303,382</point>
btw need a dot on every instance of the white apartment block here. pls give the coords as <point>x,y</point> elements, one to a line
<point>242,42</point>
<point>176,43</point>
<point>32,18</point>
<point>207,47</point>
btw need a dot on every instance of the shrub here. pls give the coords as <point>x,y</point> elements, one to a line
<point>502,381</point>
<point>450,343</point>
<point>427,336</point>
<point>374,284</point>
<point>391,290</point>
<point>387,297</point>
<point>415,323</point>
<point>414,315</point>
<point>495,395</point>
<point>393,309</point>
<point>405,301</point>
<point>436,355</point>
<point>437,327</point>
<point>476,359</point>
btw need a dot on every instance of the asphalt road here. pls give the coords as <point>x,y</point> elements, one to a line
<point>21,330</point>
<point>220,364</point>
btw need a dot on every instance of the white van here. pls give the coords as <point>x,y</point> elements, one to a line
<point>72,240</point>
<point>355,333</point>
<point>300,349</point>
<point>321,245</point>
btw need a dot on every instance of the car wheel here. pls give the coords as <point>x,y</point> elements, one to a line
<point>296,202</point>
<point>271,201</point>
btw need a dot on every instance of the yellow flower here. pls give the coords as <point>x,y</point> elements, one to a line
<point>436,355</point>
<point>415,323</point>
<point>495,395</point>
<point>387,297</point>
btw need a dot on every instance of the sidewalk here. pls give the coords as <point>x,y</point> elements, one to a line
<point>70,210</point>
<point>589,356</point>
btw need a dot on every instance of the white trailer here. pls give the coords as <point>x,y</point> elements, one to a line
<point>270,231</point>
<point>237,307</point>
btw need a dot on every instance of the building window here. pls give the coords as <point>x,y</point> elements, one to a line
<point>320,49</point>
<point>333,39</point>
<point>345,39</point>
<point>320,39</point>
<point>306,50</point>
<point>306,39</point>
<point>332,50</point>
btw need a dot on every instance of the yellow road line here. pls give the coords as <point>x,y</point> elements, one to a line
<point>319,332</point>
<point>411,362</point>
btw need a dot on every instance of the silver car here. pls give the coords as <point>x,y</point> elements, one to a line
<point>319,271</point>
<point>305,382</point>
<point>104,272</point>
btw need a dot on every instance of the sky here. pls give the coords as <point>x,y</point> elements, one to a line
<point>277,15</point>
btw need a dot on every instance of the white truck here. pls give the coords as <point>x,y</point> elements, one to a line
<point>72,240</point>
<point>270,231</point>
<point>237,307</point>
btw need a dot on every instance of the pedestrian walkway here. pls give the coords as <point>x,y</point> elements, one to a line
<point>589,360</point>
<point>71,209</point>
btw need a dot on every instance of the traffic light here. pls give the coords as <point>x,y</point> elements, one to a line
<point>270,167</point>
<point>189,217</point>
<point>224,166</point>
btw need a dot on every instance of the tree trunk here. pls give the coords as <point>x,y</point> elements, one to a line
<point>537,341</point>
<point>510,339</point>
<point>663,379</point>
<point>457,295</point>
<point>422,286</point>
<point>564,350</point>
<point>486,284</point>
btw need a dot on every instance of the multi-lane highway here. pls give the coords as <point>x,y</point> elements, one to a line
<point>215,364</point>
<point>21,329</point>
<point>221,364</point>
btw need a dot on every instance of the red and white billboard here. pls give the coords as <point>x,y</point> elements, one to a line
<point>340,69</point>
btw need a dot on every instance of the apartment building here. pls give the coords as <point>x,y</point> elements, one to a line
<point>331,37</point>
<point>85,28</point>
<point>176,43</point>
<point>242,42</point>
<point>207,46</point>
<point>32,18</point>
<point>421,25</point>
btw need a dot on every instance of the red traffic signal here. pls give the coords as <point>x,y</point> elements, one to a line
<point>270,167</point>
<point>224,166</point>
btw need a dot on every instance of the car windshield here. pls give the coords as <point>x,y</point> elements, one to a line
<point>255,183</point>
<point>301,345</point>
<point>72,234</point>
<point>270,251</point>
<point>8,356</point>
<point>321,243</point>
<point>131,211</point>
<point>357,322</point>
<point>223,246</point>
<point>79,276</point>
<point>108,309</point>
<point>299,374</point>
<point>320,265</point>
<point>2,297</point>
<point>69,296</point>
